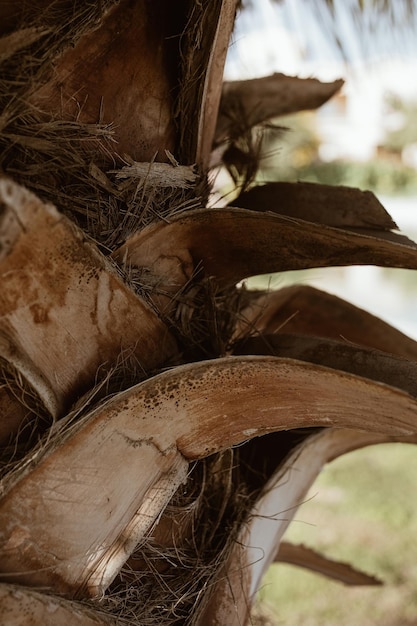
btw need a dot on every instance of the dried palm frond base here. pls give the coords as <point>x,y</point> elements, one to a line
<point>55,144</point>
<point>183,555</point>
<point>69,164</point>
<point>188,546</point>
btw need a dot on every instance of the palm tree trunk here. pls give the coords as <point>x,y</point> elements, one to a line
<point>152,412</point>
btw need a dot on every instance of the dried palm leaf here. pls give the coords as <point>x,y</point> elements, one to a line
<point>306,310</point>
<point>64,309</point>
<point>200,409</point>
<point>246,103</point>
<point>342,207</point>
<point>232,244</point>
<point>205,45</point>
<point>340,355</point>
<point>302,556</point>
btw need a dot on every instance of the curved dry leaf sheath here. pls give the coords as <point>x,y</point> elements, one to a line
<point>373,364</point>
<point>302,556</point>
<point>203,47</point>
<point>246,103</point>
<point>306,310</point>
<point>20,606</point>
<point>212,91</point>
<point>100,508</point>
<point>64,312</point>
<point>101,79</point>
<point>342,207</point>
<point>232,244</point>
<point>260,537</point>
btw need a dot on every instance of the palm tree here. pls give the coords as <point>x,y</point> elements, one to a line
<point>155,419</point>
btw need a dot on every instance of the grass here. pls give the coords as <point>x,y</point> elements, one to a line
<point>362,509</point>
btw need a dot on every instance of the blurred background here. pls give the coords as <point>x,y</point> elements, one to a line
<point>362,508</point>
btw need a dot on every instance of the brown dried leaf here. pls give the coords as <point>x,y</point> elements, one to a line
<point>100,510</point>
<point>246,103</point>
<point>64,310</point>
<point>302,556</point>
<point>232,244</point>
<point>343,207</point>
<point>373,364</point>
<point>306,310</point>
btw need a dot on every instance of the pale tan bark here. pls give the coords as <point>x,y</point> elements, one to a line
<point>65,312</point>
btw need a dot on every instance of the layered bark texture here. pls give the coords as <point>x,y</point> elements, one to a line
<point>155,415</point>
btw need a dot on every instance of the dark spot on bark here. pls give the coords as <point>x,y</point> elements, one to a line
<point>39,313</point>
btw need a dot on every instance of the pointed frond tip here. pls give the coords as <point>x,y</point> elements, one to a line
<point>338,206</point>
<point>246,103</point>
<point>302,556</point>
